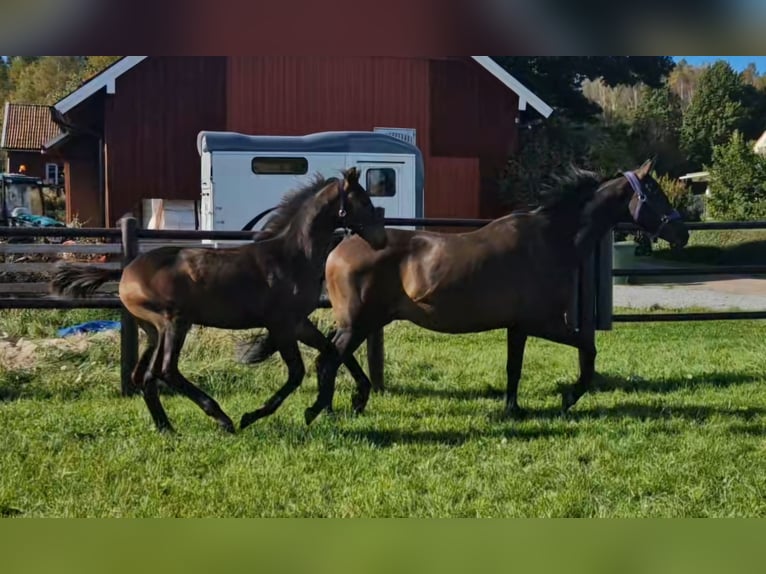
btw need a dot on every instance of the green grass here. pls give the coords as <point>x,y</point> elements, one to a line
<point>675,427</point>
<point>726,247</point>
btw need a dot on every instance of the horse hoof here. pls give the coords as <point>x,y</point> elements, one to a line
<point>359,403</point>
<point>310,415</point>
<point>248,419</point>
<point>567,401</point>
<point>228,426</point>
<point>515,414</point>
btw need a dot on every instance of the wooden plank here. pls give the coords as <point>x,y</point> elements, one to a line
<point>48,248</point>
<point>34,267</point>
<point>40,287</point>
<point>150,244</point>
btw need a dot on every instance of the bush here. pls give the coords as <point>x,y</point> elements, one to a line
<point>738,182</point>
<point>552,147</point>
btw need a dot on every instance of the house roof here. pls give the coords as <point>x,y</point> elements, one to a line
<point>107,80</point>
<point>27,127</point>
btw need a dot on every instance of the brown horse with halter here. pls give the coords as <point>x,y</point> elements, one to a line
<point>273,283</point>
<point>518,272</point>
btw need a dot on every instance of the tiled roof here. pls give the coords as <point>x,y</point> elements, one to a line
<point>27,127</point>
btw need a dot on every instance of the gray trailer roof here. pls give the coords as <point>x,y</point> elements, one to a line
<point>327,142</point>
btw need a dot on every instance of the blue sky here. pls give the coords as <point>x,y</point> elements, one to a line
<point>739,63</point>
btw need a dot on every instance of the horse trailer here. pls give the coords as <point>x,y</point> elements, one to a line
<point>245,175</point>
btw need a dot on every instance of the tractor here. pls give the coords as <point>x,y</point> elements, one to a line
<point>22,202</point>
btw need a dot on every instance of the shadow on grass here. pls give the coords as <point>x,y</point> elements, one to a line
<point>456,394</point>
<point>603,383</point>
<point>606,382</point>
<point>387,438</point>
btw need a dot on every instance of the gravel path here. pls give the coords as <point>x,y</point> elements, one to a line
<point>736,294</point>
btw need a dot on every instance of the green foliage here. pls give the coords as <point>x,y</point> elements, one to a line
<point>558,79</point>
<point>680,196</point>
<point>550,148</point>
<point>656,128</point>
<point>716,110</point>
<point>738,181</point>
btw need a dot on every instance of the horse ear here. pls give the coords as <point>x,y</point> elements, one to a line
<point>352,176</point>
<point>646,168</point>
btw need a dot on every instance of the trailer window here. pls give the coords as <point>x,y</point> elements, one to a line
<point>381,182</point>
<point>280,165</point>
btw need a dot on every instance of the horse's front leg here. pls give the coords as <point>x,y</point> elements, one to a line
<point>327,364</point>
<point>288,350</point>
<point>517,341</point>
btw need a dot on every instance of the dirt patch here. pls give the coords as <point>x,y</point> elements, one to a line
<point>24,353</point>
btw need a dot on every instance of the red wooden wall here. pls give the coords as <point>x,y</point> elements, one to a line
<point>151,128</point>
<point>464,117</point>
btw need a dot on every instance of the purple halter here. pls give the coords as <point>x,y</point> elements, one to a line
<point>638,189</point>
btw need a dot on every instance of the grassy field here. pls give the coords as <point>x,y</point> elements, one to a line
<point>676,427</point>
<point>726,247</point>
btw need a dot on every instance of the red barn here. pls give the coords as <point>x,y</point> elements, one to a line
<point>130,133</point>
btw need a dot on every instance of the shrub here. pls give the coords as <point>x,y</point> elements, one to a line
<point>738,181</point>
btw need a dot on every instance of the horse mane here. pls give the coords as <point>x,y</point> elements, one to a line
<point>570,190</point>
<point>291,204</point>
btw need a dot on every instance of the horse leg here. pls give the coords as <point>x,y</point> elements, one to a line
<point>375,359</point>
<point>145,374</point>
<point>346,342</point>
<point>587,356</point>
<point>517,341</point>
<point>175,335</point>
<point>288,350</point>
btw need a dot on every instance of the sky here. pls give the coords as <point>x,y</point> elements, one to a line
<point>739,63</point>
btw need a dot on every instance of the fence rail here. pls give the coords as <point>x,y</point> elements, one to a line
<point>592,308</point>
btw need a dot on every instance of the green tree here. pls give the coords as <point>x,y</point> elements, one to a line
<point>656,129</point>
<point>715,112</point>
<point>738,181</point>
<point>558,79</point>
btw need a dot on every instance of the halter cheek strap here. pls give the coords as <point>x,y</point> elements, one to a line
<point>342,208</point>
<point>638,190</point>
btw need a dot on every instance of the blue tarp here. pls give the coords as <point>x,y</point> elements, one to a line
<point>89,327</point>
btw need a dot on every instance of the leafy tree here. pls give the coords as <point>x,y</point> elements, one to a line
<point>558,79</point>
<point>738,181</point>
<point>683,81</point>
<point>546,151</point>
<point>715,112</point>
<point>656,128</point>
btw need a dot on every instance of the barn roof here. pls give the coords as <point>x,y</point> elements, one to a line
<point>107,80</point>
<point>26,127</point>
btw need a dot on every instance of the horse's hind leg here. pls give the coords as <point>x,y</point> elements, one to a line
<point>175,335</point>
<point>291,355</point>
<point>587,356</point>
<point>145,374</point>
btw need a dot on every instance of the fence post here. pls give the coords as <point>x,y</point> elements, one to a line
<point>128,326</point>
<point>605,283</point>
<point>376,358</point>
<point>587,296</point>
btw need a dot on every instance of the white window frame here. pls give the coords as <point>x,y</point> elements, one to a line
<point>55,180</point>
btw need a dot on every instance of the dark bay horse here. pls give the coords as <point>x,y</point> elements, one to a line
<point>274,283</point>
<point>518,272</point>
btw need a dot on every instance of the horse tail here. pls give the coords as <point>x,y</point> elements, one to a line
<point>80,281</point>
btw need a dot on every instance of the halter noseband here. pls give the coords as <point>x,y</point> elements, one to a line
<point>638,190</point>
